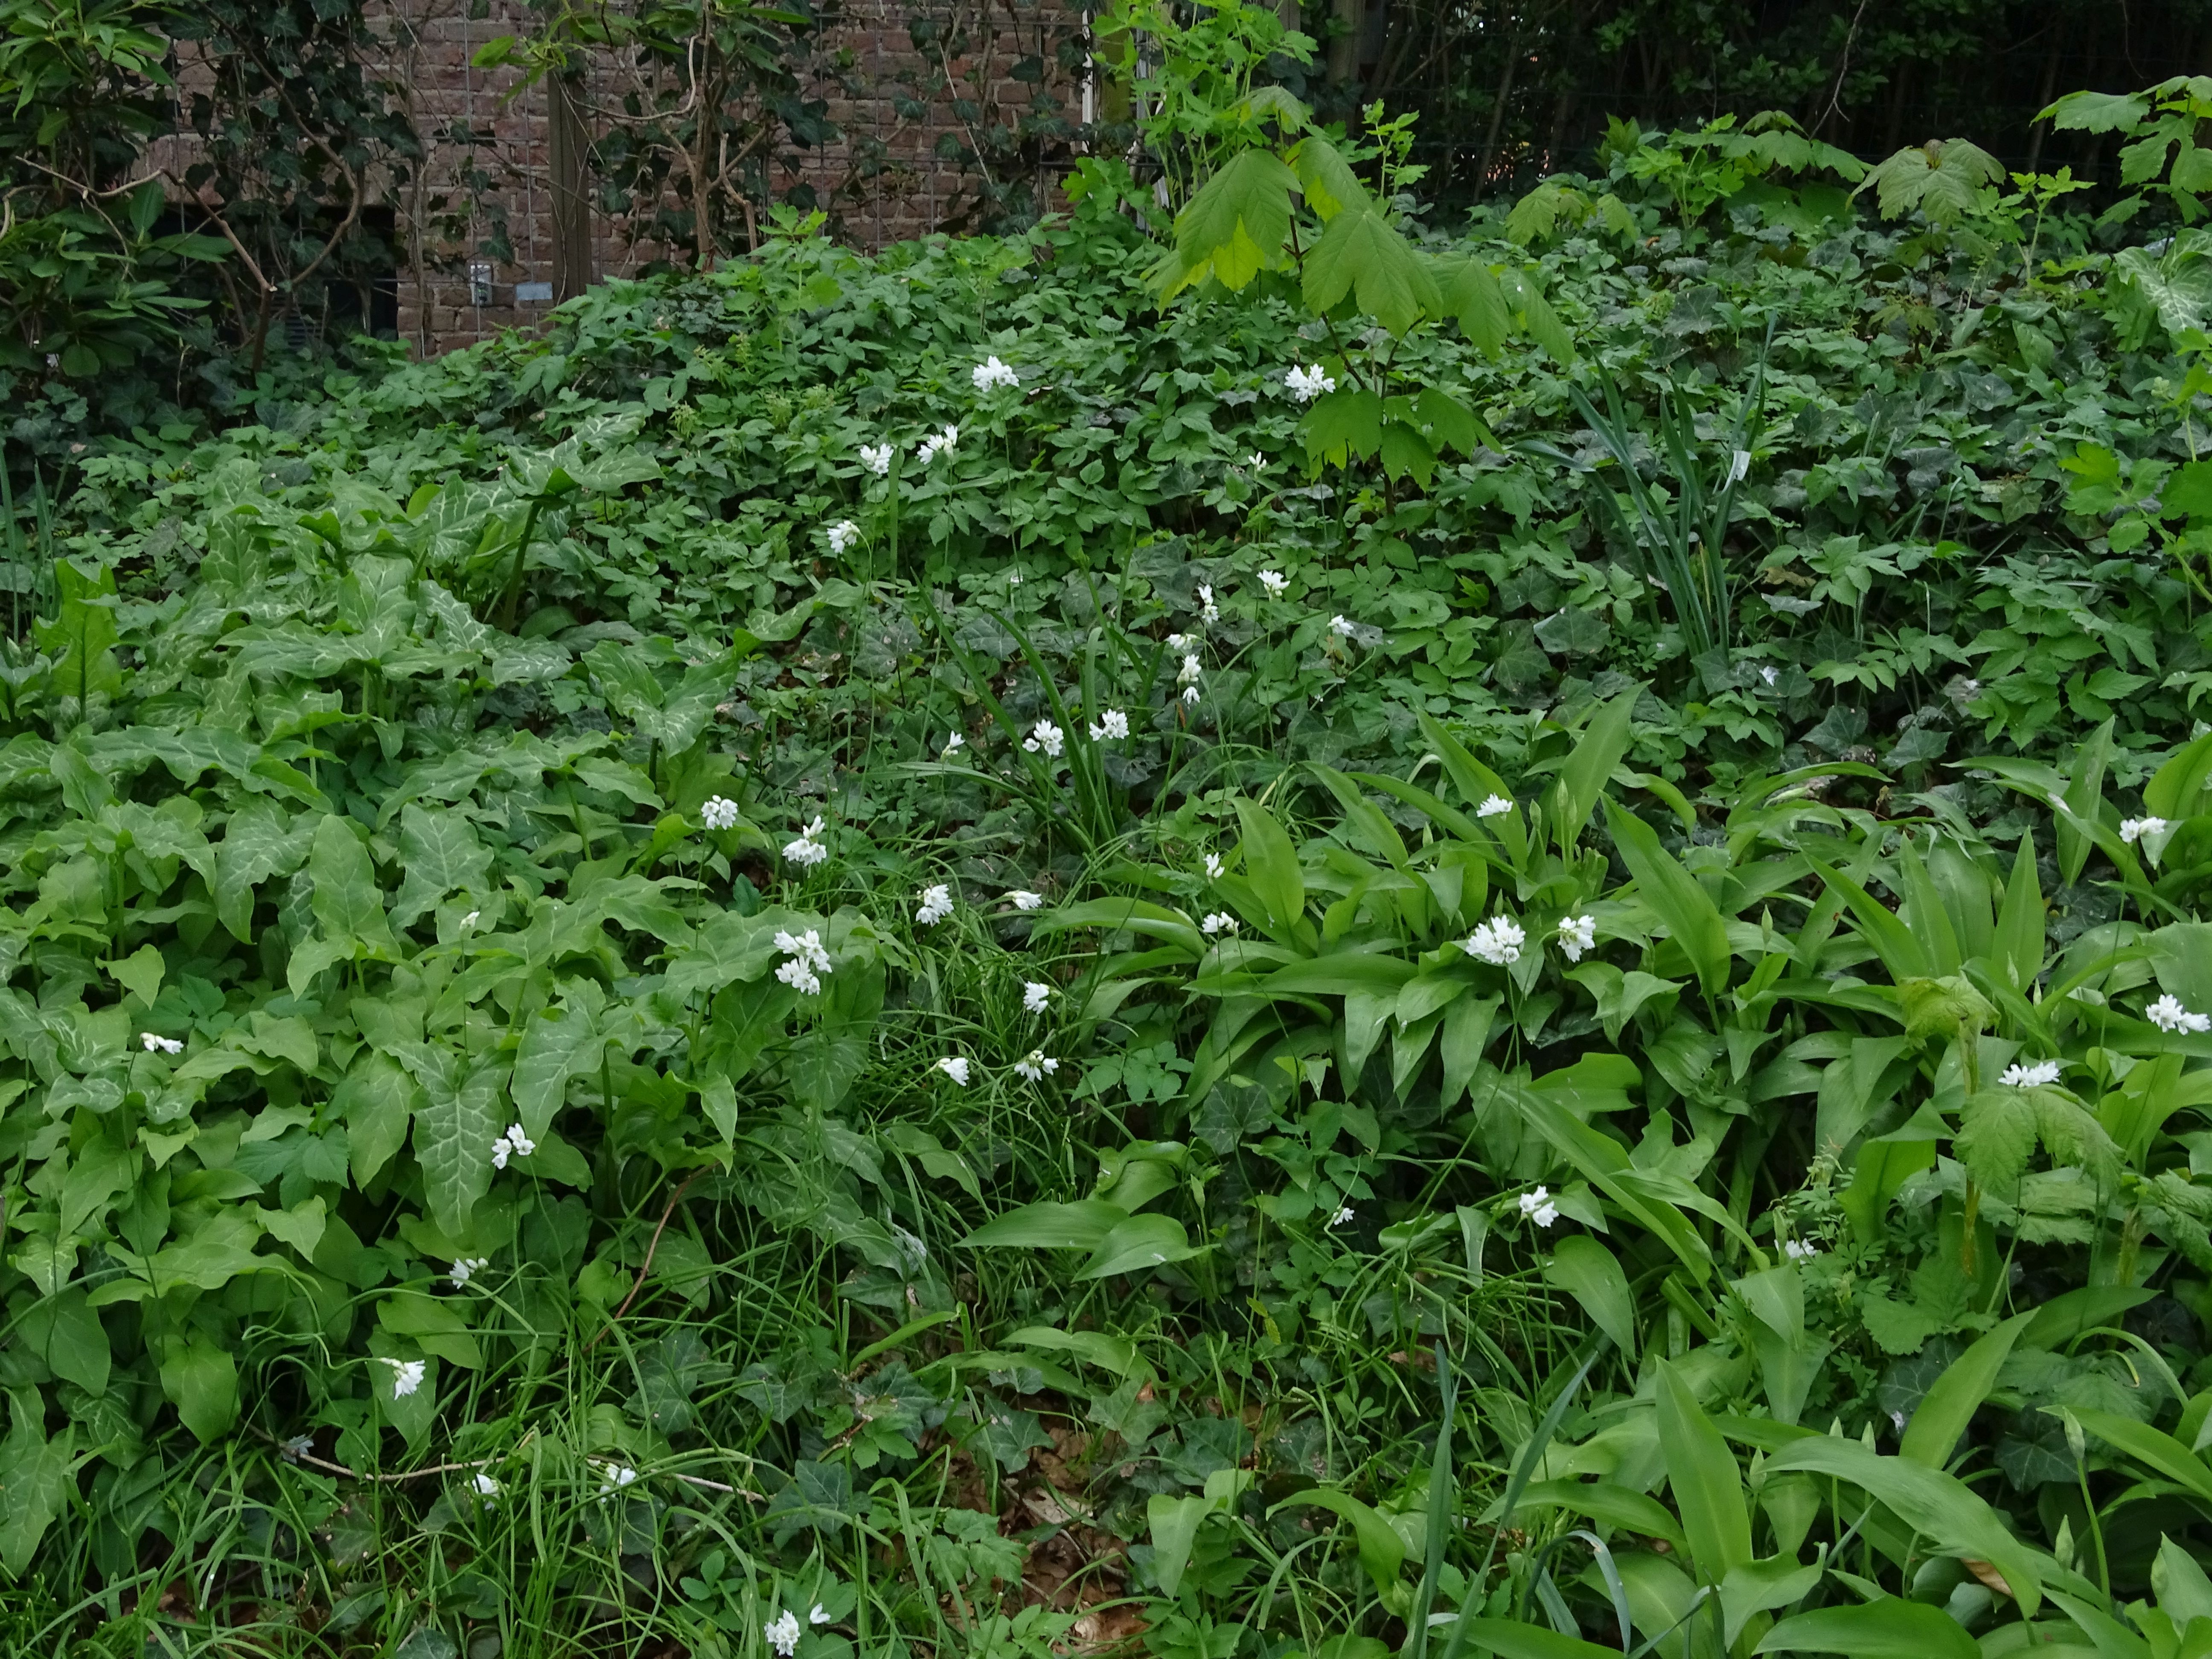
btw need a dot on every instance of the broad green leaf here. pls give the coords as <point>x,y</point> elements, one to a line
<point>438,854</point>
<point>259,842</point>
<point>1137,1242</point>
<point>140,973</point>
<point>1893,1628</point>
<point>1236,224</point>
<point>34,1480</point>
<point>1271,865</point>
<point>1950,1403</point>
<point>348,904</point>
<point>201,1380</point>
<point>1604,743</point>
<point>1175,1523</point>
<point>1361,253</point>
<point>456,1121</point>
<point>1674,894</point>
<point>375,1102</point>
<point>1756,1587</point>
<point>2019,943</point>
<point>1587,1271</point>
<point>66,1333</point>
<point>1382,1550</point>
<point>1605,1164</point>
<point>1611,1505</point>
<point>557,1044</point>
<point>301,1226</point>
<point>1510,1640</point>
<point>1344,426</point>
<point>2150,1447</point>
<point>1472,295</point>
<point>1082,1226</point>
<point>1702,1474</point>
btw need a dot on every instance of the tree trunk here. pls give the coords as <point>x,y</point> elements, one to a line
<point>570,150</point>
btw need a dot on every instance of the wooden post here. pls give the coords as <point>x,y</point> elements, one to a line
<point>569,154</point>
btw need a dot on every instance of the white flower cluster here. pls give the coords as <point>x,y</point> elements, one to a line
<point>782,1633</point>
<point>1023,899</point>
<point>956,1067</point>
<point>719,813</point>
<point>470,920</point>
<point>1214,866</point>
<point>1187,677</point>
<point>1036,1064</point>
<point>842,535</point>
<point>1219,922</point>
<point>1498,942</point>
<point>1576,935</point>
<point>936,905</point>
<point>992,372</point>
<point>1341,627</point>
<point>808,850</point>
<point>2031,1077</point>
<point>1308,384</point>
<point>1275,582</point>
<point>2168,1015</point>
<point>616,1476</point>
<point>1037,996</point>
<point>407,1376</point>
<point>1539,1208</point>
<point>2134,830</point>
<point>1493,806</point>
<point>1208,611</point>
<point>467,1268</point>
<point>877,458</point>
<point>485,1487</point>
<point>805,960</point>
<point>154,1043</point>
<point>1111,726</point>
<point>936,444</point>
<point>1341,1216</point>
<point>513,1144</point>
<point>1047,737</point>
<point>1798,1250</point>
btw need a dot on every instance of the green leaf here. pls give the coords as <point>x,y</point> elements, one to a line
<point>301,1226</point>
<point>1612,1504</point>
<point>1082,1226</point>
<point>348,904</point>
<point>1344,425</point>
<point>1893,1628</point>
<point>1510,1640</point>
<point>65,1331</point>
<point>33,1480</point>
<point>2149,1447</point>
<point>2097,111</point>
<point>1951,1401</point>
<point>1175,1523</point>
<point>1757,1586</point>
<point>1684,907</point>
<point>557,1044</point>
<point>1472,295</point>
<point>140,973</point>
<point>1702,1474</point>
<point>1136,1244</point>
<point>1236,223</point>
<point>1587,1271</point>
<point>375,1102</point>
<point>259,842</point>
<point>201,1380</point>
<point>1382,1552</point>
<point>1271,865</point>
<point>1604,743</point>
<point>438,854</point>
<point>1361,252</point>
<point>456,1121</point>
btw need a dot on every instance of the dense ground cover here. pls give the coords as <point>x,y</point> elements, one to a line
<point>635,1025</point>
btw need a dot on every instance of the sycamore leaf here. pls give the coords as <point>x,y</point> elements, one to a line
<point>1361,253</point>
<point>1237,221</point>
<point>1327,179</point>
<point>1472,295</point>
<point>1943,179</point>
<point>2096,112</point>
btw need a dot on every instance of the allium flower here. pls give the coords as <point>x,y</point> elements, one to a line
<point>1189,673</point>
<point>877,458</point>
<point>806,947</point>
<point>1036,995</point>
<point>992,372</point>
<point>154,1043</point>
<point>1256,461</point>
<point>1341,627</point>
<point>819,1616</point>
<point>1769,673</point>
<point>782,1633</point>
<point>1897,1421</point>
<point>1308,384</point>
<point>936,905</point>
<point>470,919</point>
<point>1341,1216</point>
<point>2134,830</point>
<point>1576,935</point>
<point>2168,1015</point>
<point>956,1067</point>
<point>466,1268</point>
<point>513,1144</point>
<point>719,813</point>
<point>842,535</point>
<point>1110,727</point>
<point>808,850</point>
<point>1190,696</point>
<point>486,1487</point>
<point>297,1447</point>
<point>616,1476</point>
<point>1214,866</point>
<point>501,1150</point>
<point>937,443</point>
<point>1275,582</point>
<point>1498,942</point>
<point>1023,899</point>
<point>1036,1065</point>
<point>1045,737</point>
<point>1013,579</point>
<point>1739,465</point>
<point>2031,1077</point>
<point>406,1377</point>
<point>799,976</point>
<point>1207,610</point>
<point>954,743</point>
<point>1798,1250</point>
<point>1180,641</point>
<point>1219,922</point>
<point>1493,806</point>
<point>1539,1208</point>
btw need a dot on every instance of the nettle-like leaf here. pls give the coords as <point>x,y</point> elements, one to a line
<point>2000,1129</point>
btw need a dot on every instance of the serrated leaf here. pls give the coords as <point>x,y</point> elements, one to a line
<point>1343,424</point>
<point>1239,220</point>
<point>1362,254</point>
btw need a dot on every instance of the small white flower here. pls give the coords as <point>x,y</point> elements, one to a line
<point>1207,610</point>
<point>992,372</point>
<point>936,905</point>
<point>1493,806</point>
<point>1110,727</point>
<point>1189,673</point>
<point>1539,1208</point>
<point>1013,579</point>
<point>1969,690</point>
<point>1340,626</point>
<point>470,920</point>
<point>406,1377</point>
<point>1275,582</point>
<point>154,1043</point>
<point>466,1268</point>
<point>842,535</point>
<point>1190,697</point>
<point>1576,935</point>
<point>298,1446</point>
<point>1797,1250</point>
<point>1219,922</point>
<point>954,743</point>
<point>1036,1064</point>
<point>2168,1015</point>
<point>1739,465</point>
<point>719,813</point>
<point>877,458</point>
<point>819,1616</point>
<point>501,1150</point>
<point>523,1145</point>
<point>486,1487</point>
<point>1897,1421</point>
<point>1341,1216</point>
<point>800,977</point>
<point>616,1476</point>
<point>1256,461</point>
<point>782,1633</point>
<point>937,443</point>
<point>1180,641</point>
<point>1046,736</point>
<point>806,947</point>
<point>956,1067</point>
<point>1769,673</point>
<point>1498,942</point>
<point>2031,1077</point>
<point>1036,995</point>
<point>1214,866</point>
<point>2134,830</point>
<point>1308,384</point>
<point>808,850</point>
<point>1023,899</point>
